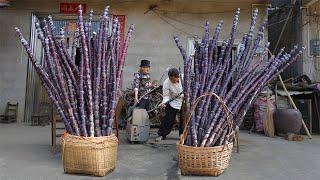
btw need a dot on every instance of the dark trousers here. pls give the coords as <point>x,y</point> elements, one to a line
<point>167,121</point>
<point>144,104</point>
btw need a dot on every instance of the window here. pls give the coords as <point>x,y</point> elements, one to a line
<point>234,52</point>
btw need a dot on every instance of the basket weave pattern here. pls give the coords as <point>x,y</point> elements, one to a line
<point>206,161</point>
<point>89,155</point>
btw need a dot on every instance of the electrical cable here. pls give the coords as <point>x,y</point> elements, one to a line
<point>180,29</point>
<point>172,25</point>
<point>199,26</point>
<point>281,21</point>
<point>284,27</point>
<point>186,12</point>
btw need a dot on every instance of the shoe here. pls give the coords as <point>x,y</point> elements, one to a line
<point>159,138</point>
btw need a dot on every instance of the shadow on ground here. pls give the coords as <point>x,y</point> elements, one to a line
<point>25,154</point>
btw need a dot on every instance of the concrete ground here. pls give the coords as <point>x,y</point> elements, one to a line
<point>25,154</point>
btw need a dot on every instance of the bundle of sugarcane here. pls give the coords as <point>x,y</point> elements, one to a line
<point>85,96</point>
<point>209,70</point>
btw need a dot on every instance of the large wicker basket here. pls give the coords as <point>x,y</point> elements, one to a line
<point>89,155</point>
<point>204,161</point>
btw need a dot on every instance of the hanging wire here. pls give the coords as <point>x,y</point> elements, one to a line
<point>163,17</point>
<point>199,26</point>
<point>269,25</point>
<point>173,19</point>
<point>186,12</point>
<point>172,25</point>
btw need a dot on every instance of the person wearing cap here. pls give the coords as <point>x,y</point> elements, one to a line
<point>142,85</point>
<point>172,87</point>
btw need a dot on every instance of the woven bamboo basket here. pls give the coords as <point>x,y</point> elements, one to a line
<point>204,161</point>
<point>89,155</point>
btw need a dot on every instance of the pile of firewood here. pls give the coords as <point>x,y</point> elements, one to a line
<point>155,114</point>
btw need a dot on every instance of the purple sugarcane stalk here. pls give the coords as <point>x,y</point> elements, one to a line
<point>81,97</point>
<point>118,48</point>
<point>229,48</point>
<point>187,76</point>
<point>111,44</point>
<point>124,54</point>
<point>214,48</point>
<point>71,63</point>
<point>71,81</point>
<point>108,85</point>
<point>49,61</point>
<point>204,72</point>
<point>213,88</point>
<point>40,34</point>
<point>249,78</point>
<point>196,58</point>
<point>89,34</point>
<point>243,112</point>
<point>224,133</point>
<point>92,53</point>
<point>256,44</point>
<point>256,86</point>
<point>260,35</point>
<point>232,36</point>
<point>104,104</point>
<point>60,79</point>
<point>249,42</point>
<point>63,57</point>
<point>205,57</point>
<point>71,92</point>
<point>113,92</point>
<point>112,78</point>
<point>247,105</point>
<point>74,46</point>
<point>98,74</point>
<point>87,72</point>
<point>213,120</point>
<point>265,74</point>
<point>186,63</point>
<point>226,59</point>
<point>52,91</point>
<point>62,51</point>
<point>71,88</point>
<point>201,128</point>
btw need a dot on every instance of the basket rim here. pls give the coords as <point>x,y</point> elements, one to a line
<point>204,148</point>
<point>83,137</point>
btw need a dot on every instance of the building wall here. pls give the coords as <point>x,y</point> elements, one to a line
<point>12,59</point>
<point>152,38</point>
<point>291,35</point>
<point>310,30</point>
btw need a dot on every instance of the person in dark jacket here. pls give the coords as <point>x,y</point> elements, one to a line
<point>142,85</point>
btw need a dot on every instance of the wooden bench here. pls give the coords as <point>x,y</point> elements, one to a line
<point>57,129</point>
<point>10,114</point>
<point>42,117</point>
